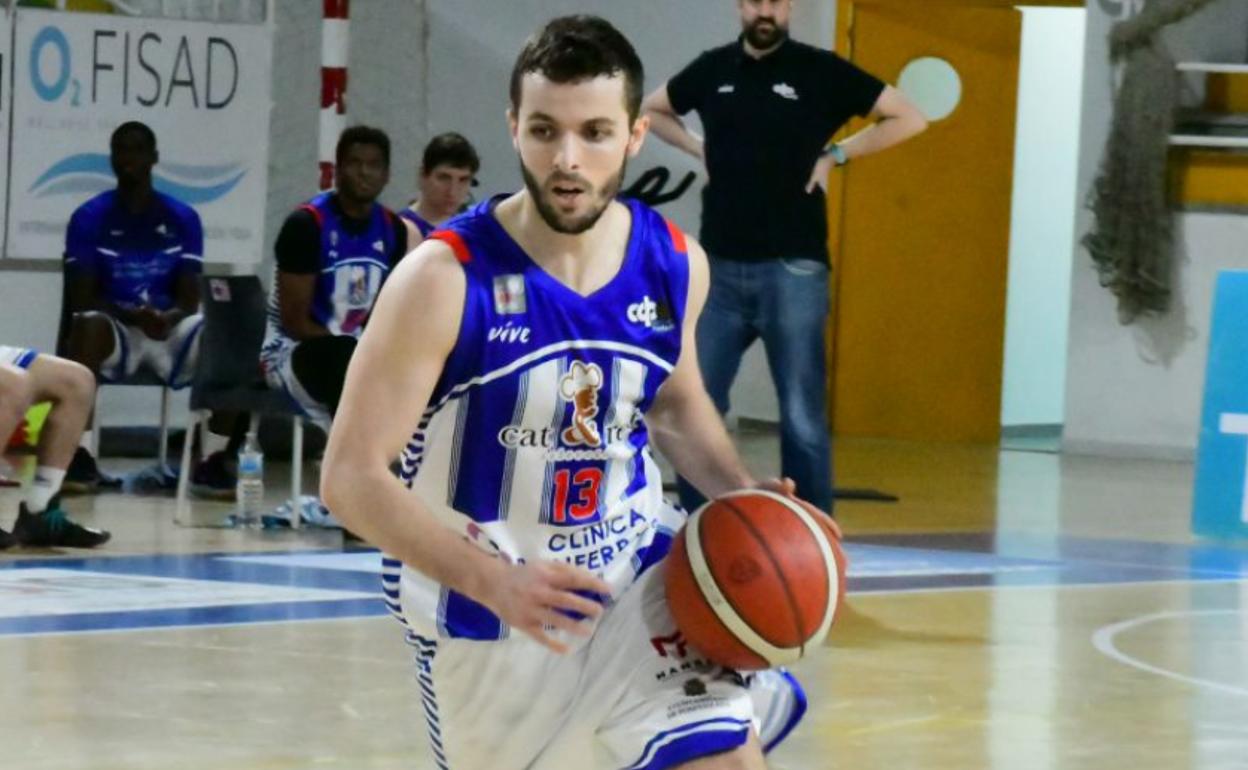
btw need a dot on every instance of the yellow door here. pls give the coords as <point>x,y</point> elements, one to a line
<point>920,235</point>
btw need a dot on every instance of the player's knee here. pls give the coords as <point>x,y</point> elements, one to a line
<point>90,333</point>
<point>15,392</point>
<point>79,383</point>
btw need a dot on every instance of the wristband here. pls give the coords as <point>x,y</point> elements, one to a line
<point>837,152</point>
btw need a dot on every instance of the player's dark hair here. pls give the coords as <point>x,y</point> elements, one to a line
<point>450,149</point>
<point>571,49</point>
<point>137,127</point>
<point>362,135</point>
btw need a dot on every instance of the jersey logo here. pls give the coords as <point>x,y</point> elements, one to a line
<point>509,333</point>
<point>727,88</point>
<point>162,229</point>
<point>785,90</point>
<point>509,294</point>
<point>580,386</point>
<point>379,246</point>
<point>650,314</point>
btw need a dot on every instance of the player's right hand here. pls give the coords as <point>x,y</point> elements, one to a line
<point>536,597</point>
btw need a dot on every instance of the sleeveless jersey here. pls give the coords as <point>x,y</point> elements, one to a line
<point>353,267</point>
<point>423,225</point>
<point>533,445</point>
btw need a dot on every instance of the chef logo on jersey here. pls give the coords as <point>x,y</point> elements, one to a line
<point>580,386</point>
<point>357,286</point>
<point>509,294</point>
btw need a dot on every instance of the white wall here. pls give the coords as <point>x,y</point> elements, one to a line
<point>1137,390</point>
<point>1046,161</point>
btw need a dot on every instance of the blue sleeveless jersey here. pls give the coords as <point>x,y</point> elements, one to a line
<point>353,268</point>
<point>533,445</point>
<point>423,225</point>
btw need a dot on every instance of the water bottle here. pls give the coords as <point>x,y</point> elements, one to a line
<point>250,490</point>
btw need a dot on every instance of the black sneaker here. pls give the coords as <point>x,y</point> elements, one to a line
<point>6,540</point>
<point>54,528</point>
<point>83,476</point>
<point>213,478</point>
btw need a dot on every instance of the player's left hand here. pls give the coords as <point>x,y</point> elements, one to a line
<point>787,487</point>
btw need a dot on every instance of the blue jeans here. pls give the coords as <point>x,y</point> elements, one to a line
<point>784,301</point>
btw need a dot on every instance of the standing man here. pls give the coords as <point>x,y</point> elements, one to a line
<point>133,256</point>
<point>26,377</point>
<point>770,106</point>
<point>502,362</point>
<point>333,254</point>
<point>448,171</point>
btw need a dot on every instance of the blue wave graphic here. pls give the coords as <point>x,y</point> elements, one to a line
<point>92,172</point>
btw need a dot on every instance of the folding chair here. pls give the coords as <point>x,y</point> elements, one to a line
<point>228,377</point>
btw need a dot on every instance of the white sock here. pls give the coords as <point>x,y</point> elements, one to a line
<point>43,488</point>
<point>87,436</point>
<point>214,443</point>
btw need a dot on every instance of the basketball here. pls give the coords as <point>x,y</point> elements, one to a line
<point>754,579</point>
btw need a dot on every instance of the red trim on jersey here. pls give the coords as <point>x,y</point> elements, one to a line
<point>678,237</point>
<point>452,239</point>
<point>315,212</point>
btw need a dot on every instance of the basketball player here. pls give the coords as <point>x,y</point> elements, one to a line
<point>26,377</point>
<point>447,172</point>
<point>133,256</point>
<point>333,254</point>
<point>520,361</point>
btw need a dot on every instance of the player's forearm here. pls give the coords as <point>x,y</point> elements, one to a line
<point>695,441</point>
<point>375,505</point>
<point>888,132</point>
<point>671,129</point>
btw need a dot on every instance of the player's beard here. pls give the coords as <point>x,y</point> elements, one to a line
<point>568,225</point>
<point>765,33</point>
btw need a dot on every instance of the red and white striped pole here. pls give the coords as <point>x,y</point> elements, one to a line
<point>335,39</point>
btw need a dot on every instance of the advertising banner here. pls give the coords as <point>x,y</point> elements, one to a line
<point>203,88</point>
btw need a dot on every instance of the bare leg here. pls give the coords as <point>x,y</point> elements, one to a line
<point>747,757</point>
<point>70,387</point>
<point>15,398</point>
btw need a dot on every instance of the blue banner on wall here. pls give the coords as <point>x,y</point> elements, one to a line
<point>1220,507</point>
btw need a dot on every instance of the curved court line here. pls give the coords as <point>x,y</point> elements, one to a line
<point>1103,641</point>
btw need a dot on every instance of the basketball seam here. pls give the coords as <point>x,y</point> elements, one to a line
<point>733,605</point>
<point>831,564</point>
<point>775,563</point>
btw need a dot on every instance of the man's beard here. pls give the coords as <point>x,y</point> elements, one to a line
<point>765,34</point>
<point>570,225</point>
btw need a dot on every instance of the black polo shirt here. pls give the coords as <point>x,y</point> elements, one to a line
<point>766,120</point>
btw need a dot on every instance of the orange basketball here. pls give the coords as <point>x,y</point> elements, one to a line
<point>754,579</point>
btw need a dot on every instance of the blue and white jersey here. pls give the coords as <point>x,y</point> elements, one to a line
<point>137,258</point>
<point>353,264</point>
<point>533,445</point>
<point>423,225</point>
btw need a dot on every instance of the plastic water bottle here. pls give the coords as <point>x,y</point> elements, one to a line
<point>250,490</point>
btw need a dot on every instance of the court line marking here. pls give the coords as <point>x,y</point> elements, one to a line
<point>1103,641</point>
<point>1036,586</point>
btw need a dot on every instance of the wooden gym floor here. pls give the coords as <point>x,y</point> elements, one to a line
<point>1013,611</point>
